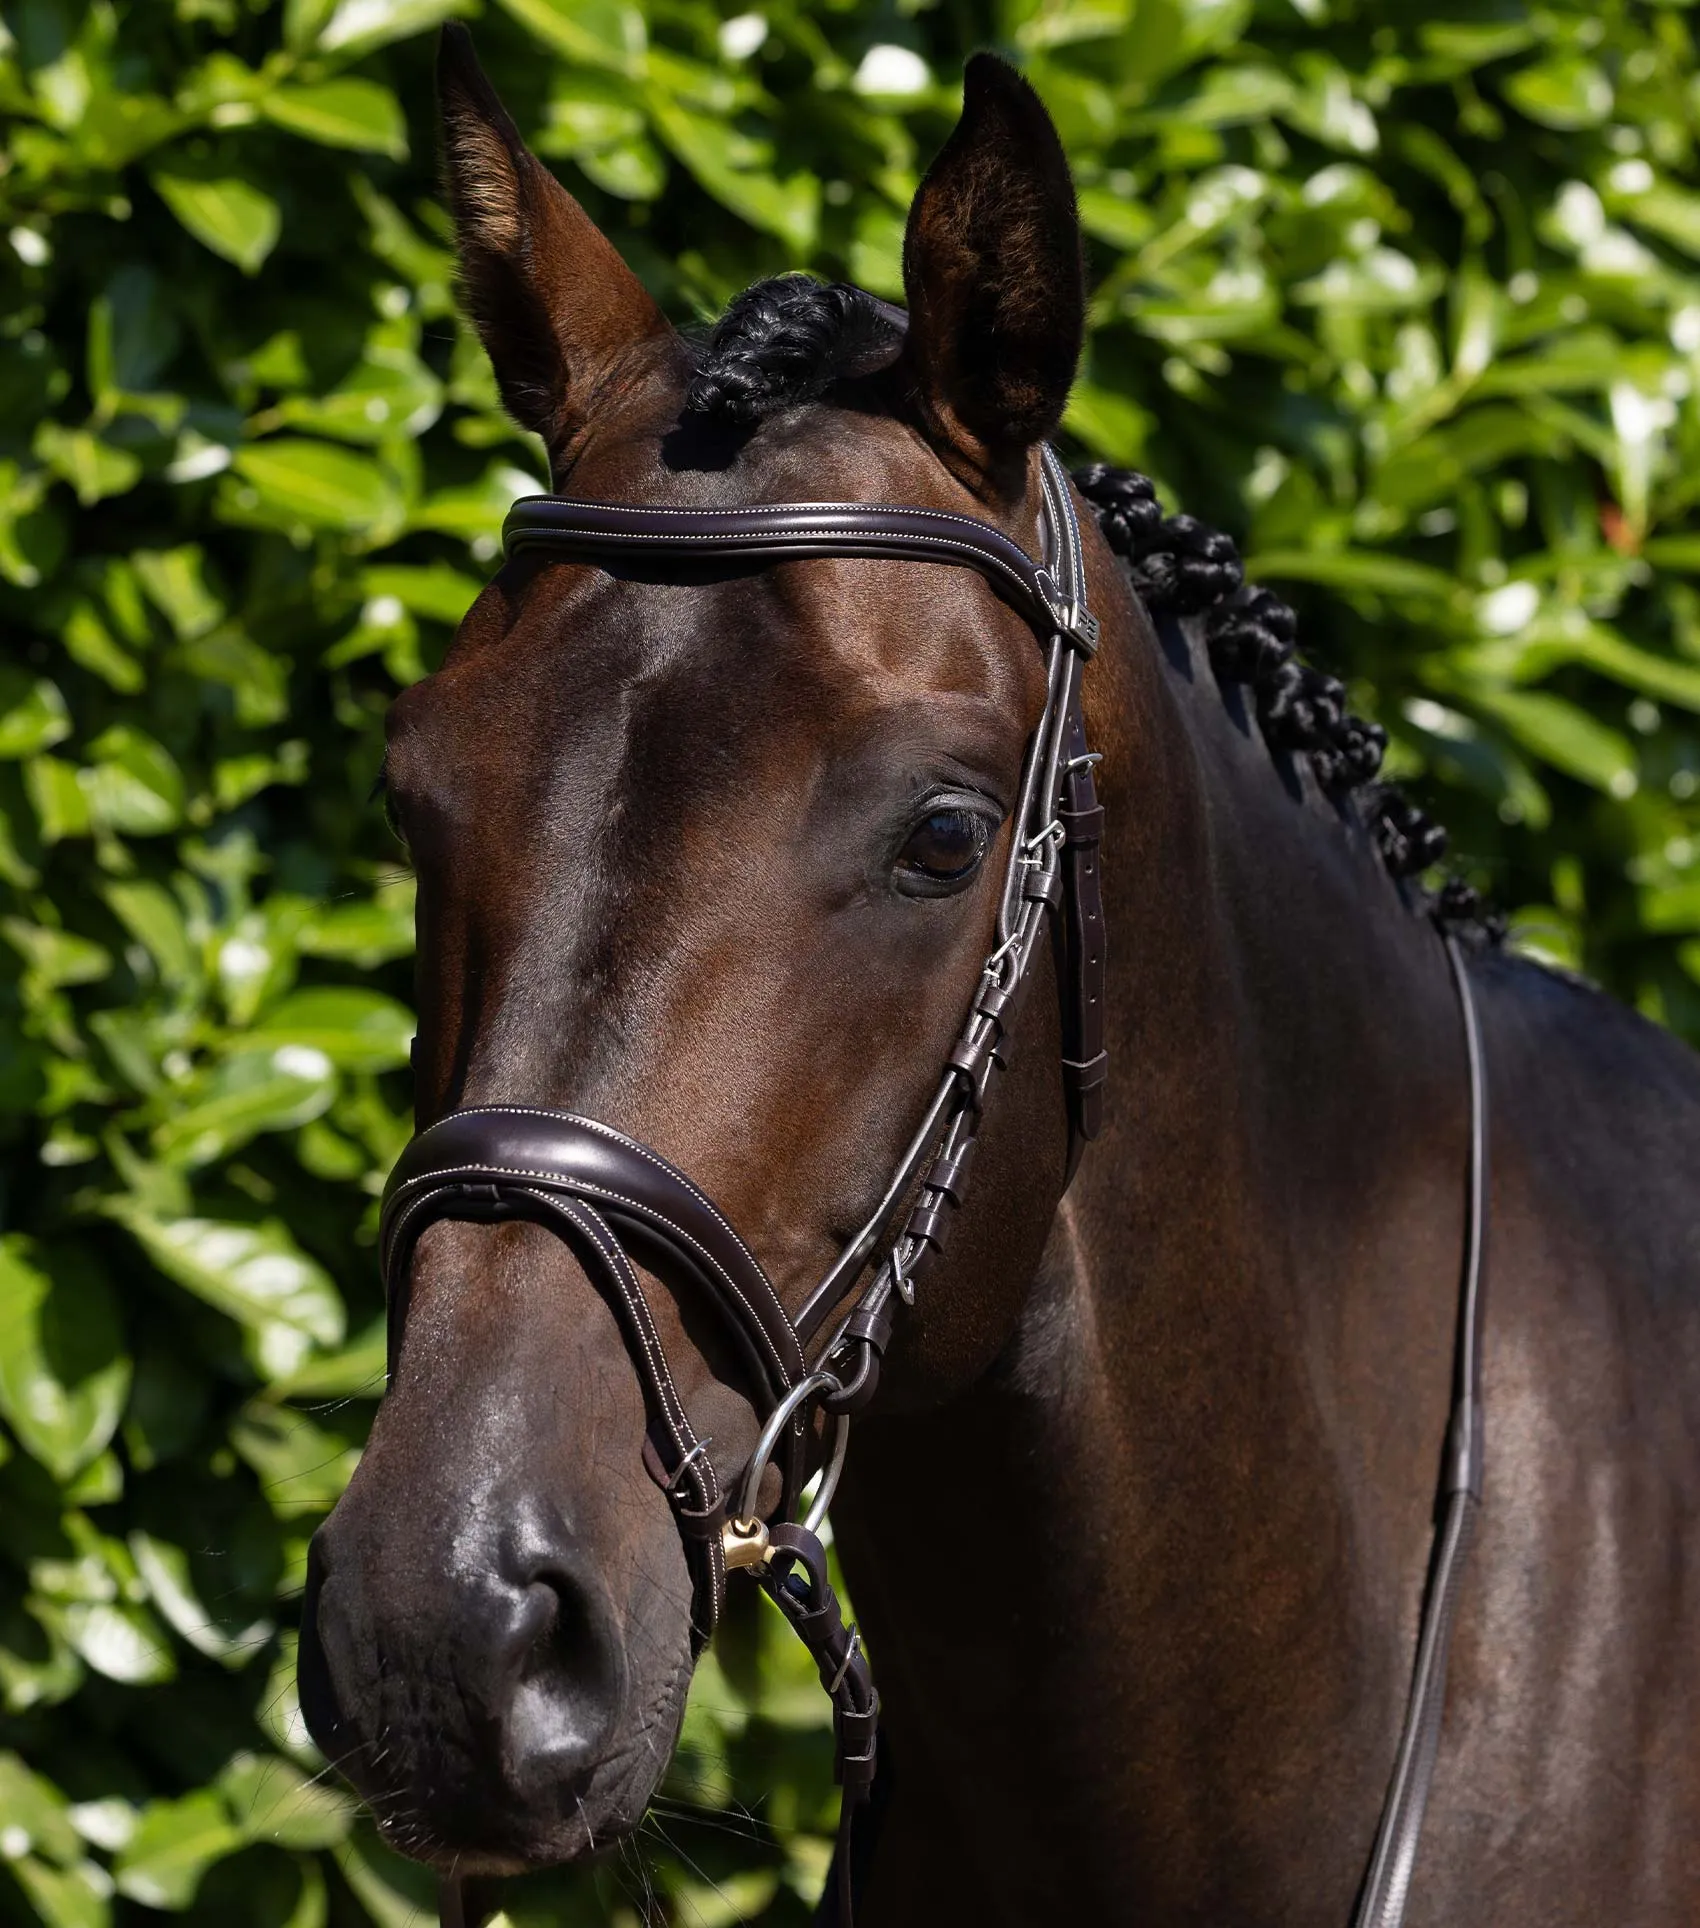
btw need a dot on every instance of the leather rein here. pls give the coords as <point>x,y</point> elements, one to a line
<point>618,1204</point>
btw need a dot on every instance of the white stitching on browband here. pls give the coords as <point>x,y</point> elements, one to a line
<point>772,508</point>
<point>1027,581</point>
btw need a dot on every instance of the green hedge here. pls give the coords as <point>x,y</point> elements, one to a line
<point>1410,302</point>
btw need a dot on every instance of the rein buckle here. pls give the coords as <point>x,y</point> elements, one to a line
<point>745,1544</point>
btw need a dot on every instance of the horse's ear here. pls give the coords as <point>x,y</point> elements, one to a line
<point>557,308</point>
<point>992,269</point>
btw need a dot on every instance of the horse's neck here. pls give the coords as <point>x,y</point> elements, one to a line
<point>1187,1514</point>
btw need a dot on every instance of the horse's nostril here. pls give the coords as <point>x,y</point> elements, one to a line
<point>557,1656</point>
<point>563,1678</point>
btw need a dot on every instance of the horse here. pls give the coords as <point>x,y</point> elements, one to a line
<point>1140,1523</point>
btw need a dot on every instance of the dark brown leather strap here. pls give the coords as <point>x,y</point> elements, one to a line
<point>796,1581</point>
<point>795,532</point>
<point>1085,1062</point>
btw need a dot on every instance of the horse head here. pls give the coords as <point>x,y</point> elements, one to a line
<point>711,854</point>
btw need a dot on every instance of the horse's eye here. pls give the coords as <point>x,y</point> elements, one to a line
<point>946,846</point>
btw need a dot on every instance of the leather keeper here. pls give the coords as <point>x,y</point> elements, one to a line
<point>948,1173</point>
<point>1043,885</point>
<point>993,1000</point>
<point>1087,1076</point>
<point>930,1221</point>
<point>872,1325</point>
<point>974,1061</point>
<point>1082,827</point>
<point>704,1526</point>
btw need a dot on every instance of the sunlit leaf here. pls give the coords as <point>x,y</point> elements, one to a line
<point>33,715</point>
<point>226,213</point>
<point>594,33</point>
<point>63,1373</point>
<point>341,113</point>
<point>270,1799</point>
<point>356,1030</point>
<point>1566,737</point>
<point>176,1842</point>
<point>302,1467</point>
<point>291,483</point>
<point>256,1274</point>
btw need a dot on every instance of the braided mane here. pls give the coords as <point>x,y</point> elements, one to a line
<point>787,340</point>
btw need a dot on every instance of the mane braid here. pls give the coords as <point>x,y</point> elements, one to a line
<point>1179,567</point>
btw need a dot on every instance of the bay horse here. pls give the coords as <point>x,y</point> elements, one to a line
<point>1140,1522</point>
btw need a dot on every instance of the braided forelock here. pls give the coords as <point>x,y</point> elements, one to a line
<point>783,342</point>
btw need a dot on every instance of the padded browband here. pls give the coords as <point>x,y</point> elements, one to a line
<point>799,531</point>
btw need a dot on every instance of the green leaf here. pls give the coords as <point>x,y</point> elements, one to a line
<point>1566,737</point>
<point>357,1030</point>
<point>64,1376</point>
<point>1355,569</point>
<point>57,797</point>
<point>134,786</point>
<point>290,483</point>
<point>303,1468</point>
<point>250,1093</point>
<point>355,1372</point>
<point>88,642</point>
<point>68,1897</point>
<point>394,1892</point>
<point>729,167</point>
<point>434,591</point>
<point>33,715</point>
<point>270,1799</point>
<point>38,1667</point>
<point>1566,94</point>
<point>357,26</point>
<point>93,468</point>
<point>154,918</point>
<point>35,1815</point>
<point>255,1274</point>
<point>175,580</point>
<point>226,213</point>
<point>475,511</point>
<point>116,1638</point>
<point>1676,907</point>
<point>56,957</point>
<point>176,1842</point>
<point>170,1583</point>
<point>365,934</point>
<point>350,113</point>
<point>391,392</point>
<point>593,33</point>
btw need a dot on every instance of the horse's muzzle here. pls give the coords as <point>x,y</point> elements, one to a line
<point>472,1700</point>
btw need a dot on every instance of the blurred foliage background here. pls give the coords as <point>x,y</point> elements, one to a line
<point>1406,295</point>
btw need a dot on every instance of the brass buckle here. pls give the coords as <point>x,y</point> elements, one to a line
<point>744,1544</point>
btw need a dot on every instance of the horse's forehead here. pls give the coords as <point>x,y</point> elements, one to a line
<point>564,654</point>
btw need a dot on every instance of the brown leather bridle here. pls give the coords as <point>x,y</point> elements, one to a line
<point>614,1201</point>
